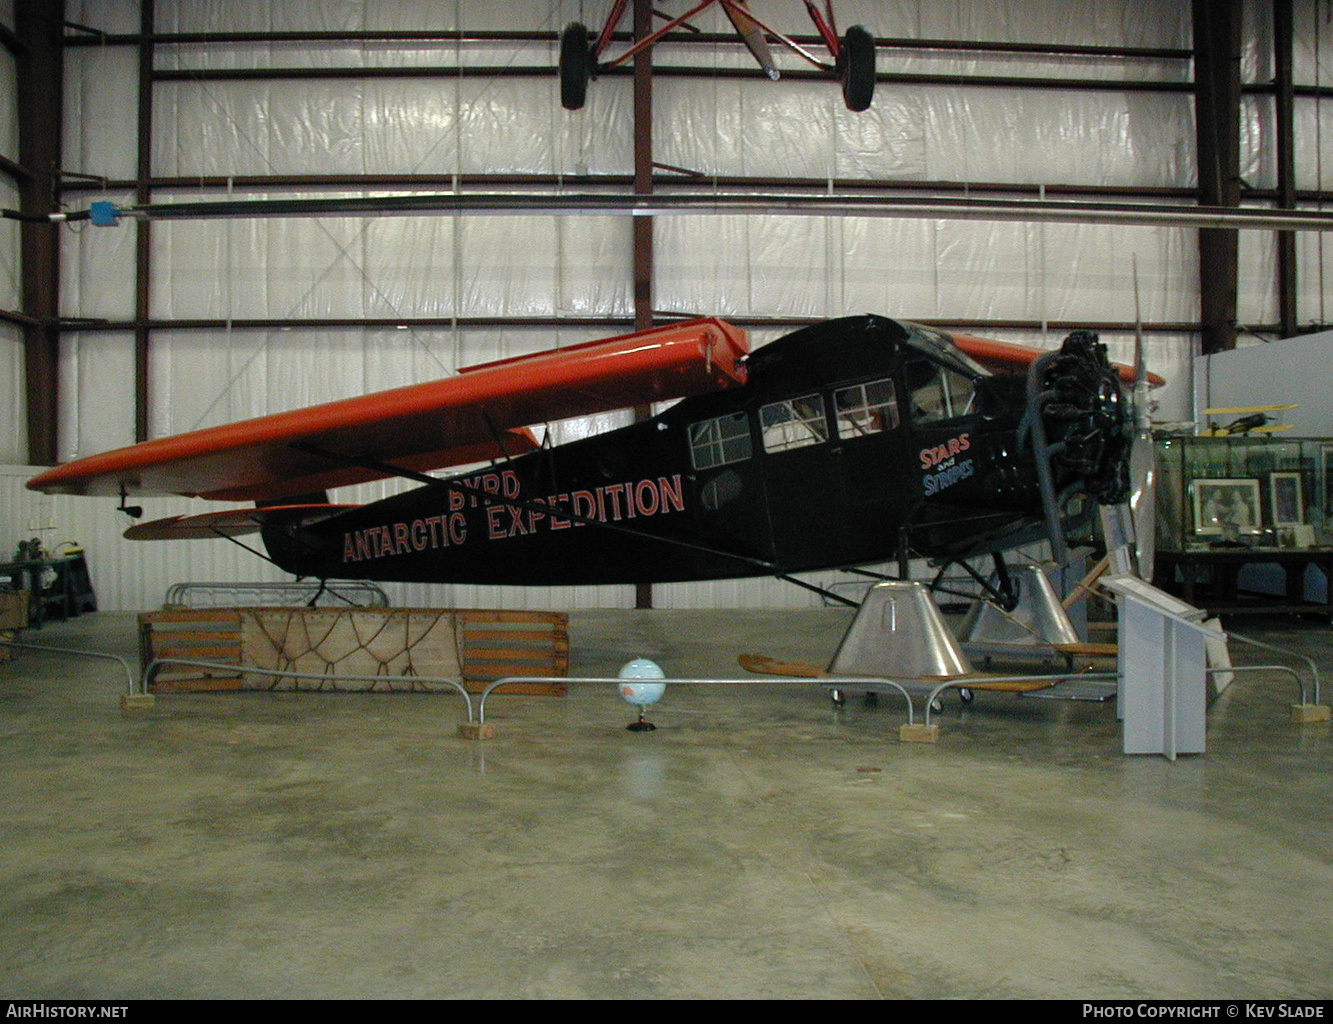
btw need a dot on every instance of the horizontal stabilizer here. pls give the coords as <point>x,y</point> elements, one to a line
<point>230,522</point>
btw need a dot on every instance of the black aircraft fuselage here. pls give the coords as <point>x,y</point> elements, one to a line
<point>851,442</point>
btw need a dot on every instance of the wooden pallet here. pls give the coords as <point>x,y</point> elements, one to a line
<point>399,646</point>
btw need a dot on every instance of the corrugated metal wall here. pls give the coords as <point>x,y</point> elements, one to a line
<point>552,267</point>
<point>13,408</point>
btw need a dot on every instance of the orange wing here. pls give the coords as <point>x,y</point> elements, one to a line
<point>450,422</point>
<point>1000,355</point>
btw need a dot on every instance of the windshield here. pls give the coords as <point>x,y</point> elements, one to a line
<point>937,345</point>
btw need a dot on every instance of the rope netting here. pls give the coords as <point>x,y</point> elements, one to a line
<point>334,644</point>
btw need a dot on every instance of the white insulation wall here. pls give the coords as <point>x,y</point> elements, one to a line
<point>13,410</point>
<point>459,266</point>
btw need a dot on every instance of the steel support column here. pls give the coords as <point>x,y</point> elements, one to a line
<point>143,250</point>
<point>1217,123</point>
<point>642,227</point>
<point>1287,280</point>
<point>39,25</point>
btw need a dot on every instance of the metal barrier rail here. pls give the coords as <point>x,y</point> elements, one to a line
<point>1263,668</point>
<point>178,593</point>
<point>1314,669</point>
<point>825,681</point>
<point>971,683</point>
<point>129,675</point>
<point>977,682</point>
<point>156,663</point>
<point>822,681</point>
<point>480,717</point>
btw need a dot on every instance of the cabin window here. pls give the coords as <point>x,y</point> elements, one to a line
<point>793,424</point>
<point>720,441</point>
<point>939,393</point>
<point>863,409</point>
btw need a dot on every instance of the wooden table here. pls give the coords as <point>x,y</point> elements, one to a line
<point>70,593</point>
<point>1208,579</point>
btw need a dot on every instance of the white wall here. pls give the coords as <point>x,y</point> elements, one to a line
<point>1293,370</point>
<point>13,407</point>
<point>550,267</point>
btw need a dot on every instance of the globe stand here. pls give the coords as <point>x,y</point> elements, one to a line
<point>641,725</point>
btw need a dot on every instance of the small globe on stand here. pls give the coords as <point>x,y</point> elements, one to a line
<point>638,690</point>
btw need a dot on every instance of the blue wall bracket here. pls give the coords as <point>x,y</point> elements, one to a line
<point>103,213</point>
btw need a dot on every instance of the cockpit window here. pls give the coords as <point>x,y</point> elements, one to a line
<point>938,393</point>
<point>938,347</point>
<point>720,441</point>
<point>793,424</point>
<point>863,409</point>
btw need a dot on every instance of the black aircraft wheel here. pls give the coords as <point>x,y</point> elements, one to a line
<point>575,66</point>
<point>856,66</point>
<point>966,695</point>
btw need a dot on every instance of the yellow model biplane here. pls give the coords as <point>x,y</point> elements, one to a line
<point>1250,419</point>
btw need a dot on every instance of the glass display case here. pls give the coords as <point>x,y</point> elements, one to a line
<point>1251,491</point>
<point>1242,520</point>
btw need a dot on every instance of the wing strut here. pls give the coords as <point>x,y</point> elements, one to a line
<point>821,591</point>
<point>246,547</point>
<point>497,436</point>
<point>323,580</point>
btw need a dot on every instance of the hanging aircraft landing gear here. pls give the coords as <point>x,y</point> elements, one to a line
<point>966,695</point>
<point>837,697</point>
<point>856,68</point>
<point>576,63</point>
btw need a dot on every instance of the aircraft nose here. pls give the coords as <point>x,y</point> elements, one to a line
<point>1088,423</point>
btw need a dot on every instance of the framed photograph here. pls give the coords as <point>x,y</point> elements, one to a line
<point>1227,506</point>
<point>1286,499</point>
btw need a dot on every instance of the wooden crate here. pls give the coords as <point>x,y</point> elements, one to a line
<point>13,610</point>
<point>212,635</point>
<point>498,644</point>
<point>399,647</point>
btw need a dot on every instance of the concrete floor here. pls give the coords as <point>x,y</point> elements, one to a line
<point>758,844</point>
